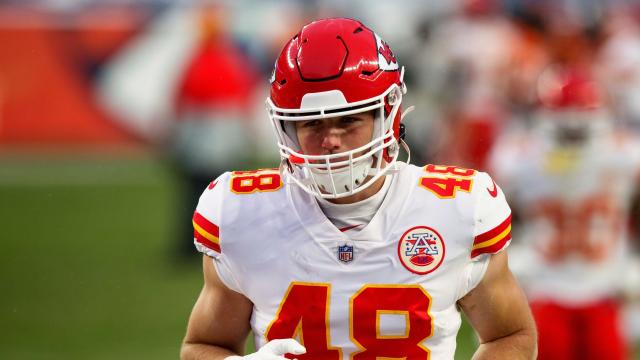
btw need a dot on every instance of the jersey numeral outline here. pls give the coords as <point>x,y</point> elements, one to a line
<point>445,181</point>
<point>262,180</point>
<point>304,315</point>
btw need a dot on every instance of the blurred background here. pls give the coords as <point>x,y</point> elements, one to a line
<point>115,114</point>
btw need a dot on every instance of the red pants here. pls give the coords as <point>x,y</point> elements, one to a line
<point>587,332</point>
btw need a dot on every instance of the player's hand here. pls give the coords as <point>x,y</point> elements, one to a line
<point>274,350</point>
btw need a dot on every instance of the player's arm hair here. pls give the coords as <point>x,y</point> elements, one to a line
<point>498,311</point>
<point>219,322</point>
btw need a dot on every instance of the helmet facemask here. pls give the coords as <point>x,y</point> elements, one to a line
<point>346,173</point>
<point>573,128</point>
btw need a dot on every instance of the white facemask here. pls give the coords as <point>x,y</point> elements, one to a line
<point>346,173</point>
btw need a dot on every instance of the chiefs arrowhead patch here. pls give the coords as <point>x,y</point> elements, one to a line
<point>421,250</point>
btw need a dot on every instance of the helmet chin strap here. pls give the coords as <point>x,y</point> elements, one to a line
<point>407,111</point>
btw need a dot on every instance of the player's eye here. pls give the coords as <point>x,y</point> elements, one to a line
<point>310,123</point>
<point>348,120</point>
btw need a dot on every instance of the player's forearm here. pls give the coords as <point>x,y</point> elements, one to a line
<point>198,351</point>
<point>519,345</point>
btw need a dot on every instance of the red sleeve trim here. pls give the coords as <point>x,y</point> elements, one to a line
<point>493,240</point>
<point>205,232</point>
<point>205,224</point>
<point>206,242</point>
<point>491,249</point>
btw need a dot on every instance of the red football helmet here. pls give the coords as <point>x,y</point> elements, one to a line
<point>572,105</point>
<point>336,67</point>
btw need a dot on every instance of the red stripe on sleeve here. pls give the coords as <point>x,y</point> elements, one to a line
<point>207,225</point>
<point>206,242</point>
<point>493,232</point>
<point>493,248</point>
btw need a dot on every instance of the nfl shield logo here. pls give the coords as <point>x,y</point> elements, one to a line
<point>345,253</point>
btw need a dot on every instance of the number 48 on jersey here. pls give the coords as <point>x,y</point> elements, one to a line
<point>304,315</point>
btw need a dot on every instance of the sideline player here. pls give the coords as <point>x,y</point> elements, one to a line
<point>572,177</point>
<point>345,249</point>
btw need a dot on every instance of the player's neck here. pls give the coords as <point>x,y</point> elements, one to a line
<point>362,195</point>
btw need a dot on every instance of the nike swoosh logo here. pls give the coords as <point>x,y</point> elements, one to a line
<point>493,192</point>
<point>347,228</point>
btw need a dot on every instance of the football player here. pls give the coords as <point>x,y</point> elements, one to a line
<point>344,251</point>
<point>572,178</point>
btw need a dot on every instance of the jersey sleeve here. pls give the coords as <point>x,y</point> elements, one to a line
<point>492,219</point>
<point>207,234</point>
<point>473,273</point>
<point>206,219</point>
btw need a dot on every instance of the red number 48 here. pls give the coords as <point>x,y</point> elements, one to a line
<point>445,181</point>
<point>304,314</point>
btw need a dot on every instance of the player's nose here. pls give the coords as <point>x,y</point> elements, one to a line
<point>331,138</point>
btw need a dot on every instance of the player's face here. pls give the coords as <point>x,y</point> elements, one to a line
<point>335,135</point>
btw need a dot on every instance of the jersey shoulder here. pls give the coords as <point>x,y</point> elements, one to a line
<point>452,182</point>
<point>492,217</point>
<point>230,200</point>
<point>477,197</point>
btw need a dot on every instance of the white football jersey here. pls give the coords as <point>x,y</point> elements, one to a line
<point>387,289</point>
<point>574,205</point>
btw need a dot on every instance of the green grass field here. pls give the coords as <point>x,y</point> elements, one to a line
<point>86,270</point>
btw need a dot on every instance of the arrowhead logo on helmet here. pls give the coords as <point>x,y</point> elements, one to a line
<point>386,60</point>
